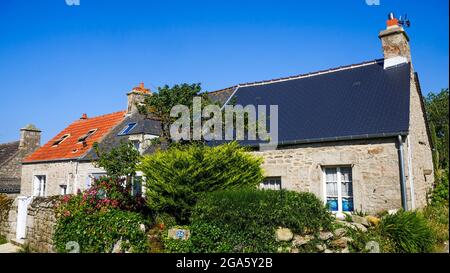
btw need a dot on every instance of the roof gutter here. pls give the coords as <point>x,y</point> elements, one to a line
<point>333,139</point>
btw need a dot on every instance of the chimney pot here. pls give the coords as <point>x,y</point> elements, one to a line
<point>84,116</point>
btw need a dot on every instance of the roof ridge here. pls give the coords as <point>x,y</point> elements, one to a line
<point>304,75</point>
<point>104,115</point>
<point>310,74</point>
<point>11,142</point>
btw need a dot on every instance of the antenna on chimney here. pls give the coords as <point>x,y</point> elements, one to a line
<point>403,21</point>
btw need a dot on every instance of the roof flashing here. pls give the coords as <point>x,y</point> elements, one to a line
<point>394,61</point>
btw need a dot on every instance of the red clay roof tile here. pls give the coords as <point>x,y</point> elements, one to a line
<point>71,148</point>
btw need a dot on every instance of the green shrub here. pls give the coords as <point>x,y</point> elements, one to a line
<point>408,231</point>
<point>3,240</point>
<point>181,174</point>
<point>246,220</point>
<point>440,193</point>
<point>165,220</point>
<point>98,232</point>
<point>437,216</point>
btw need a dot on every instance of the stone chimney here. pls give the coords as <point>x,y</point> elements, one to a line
<point>30,138</point>
<point>135,97</point>
<point>395,43</point>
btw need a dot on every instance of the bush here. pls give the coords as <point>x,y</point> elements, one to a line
<point>98,232</point>
<point>246,220</point>
<point>408,231</point>
<point>99,217</point>
<point>437,216</point>
<point>180,175</point>
<point>440,192</point>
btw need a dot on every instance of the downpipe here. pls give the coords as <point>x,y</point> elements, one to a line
<point>402,172</point>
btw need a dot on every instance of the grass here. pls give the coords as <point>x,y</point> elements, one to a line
<point>3,240</point>
<point>437,217</point>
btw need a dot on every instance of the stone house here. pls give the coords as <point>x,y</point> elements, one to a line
<point>356,136</point>
<point>11,156</point>
<point>65,165</point>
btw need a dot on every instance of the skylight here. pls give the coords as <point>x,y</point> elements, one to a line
<point>60,140</point>
<point>87,135</point>
<point>127,129</point>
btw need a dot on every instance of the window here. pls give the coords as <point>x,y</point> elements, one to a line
<point>128,129</point>
<point>92,177</point>
<point>136,144</point>
<point>271,183</point>
<point>83,138</point>
<point>137,186</point>
<point>39,185</point>
<point>63,189</point>
<point>60,140</point>
<point>339,188</point>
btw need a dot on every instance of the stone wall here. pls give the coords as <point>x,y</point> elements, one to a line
<point>375,169</point>
<point>8,217</point>
<point>41,221</point>
<point>73,174</point>
<point>422,171</point>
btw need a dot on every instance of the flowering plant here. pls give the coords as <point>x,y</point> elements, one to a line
<point>106,193</point>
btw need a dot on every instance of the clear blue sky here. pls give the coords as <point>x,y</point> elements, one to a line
<point>59,61</point>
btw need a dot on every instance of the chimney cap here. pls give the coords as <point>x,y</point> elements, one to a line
<point>84,116</point>
<point>30,127</point>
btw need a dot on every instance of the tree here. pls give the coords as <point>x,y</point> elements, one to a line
<point>161,103</point>
<point>179,175</point>
<point>120,161</point>
<point>437,114</point>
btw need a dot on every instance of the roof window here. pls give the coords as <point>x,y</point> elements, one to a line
<point>128,128</point>
<point>60,140</point>
<point>83,138</point>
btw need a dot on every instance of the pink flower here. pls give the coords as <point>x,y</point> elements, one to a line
<point>67,213</point>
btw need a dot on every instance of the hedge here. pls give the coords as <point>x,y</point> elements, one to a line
<point>246,220</point>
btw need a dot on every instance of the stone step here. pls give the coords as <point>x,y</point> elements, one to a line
<point>19,243</point>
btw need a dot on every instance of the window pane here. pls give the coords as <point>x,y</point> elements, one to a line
<point>332,189</point>
<point>332,204</point>
<point>271,183</point>
<point>347,204</point>
<point>347,189</point>
<point>331,174</point>
<point>346,174</point>
<point>137,185</point>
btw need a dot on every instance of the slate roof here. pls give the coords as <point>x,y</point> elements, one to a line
<point>352,102</point>
<point>144,126</point>
<point>8,150</point>
<point>9,185</point>
<point>71,148</point>
<point>221,96</point>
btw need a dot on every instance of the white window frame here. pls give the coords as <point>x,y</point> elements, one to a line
<point>63,189</point>
<point>339,186</point>
<point>40,190</point>
<point>262,184</point>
